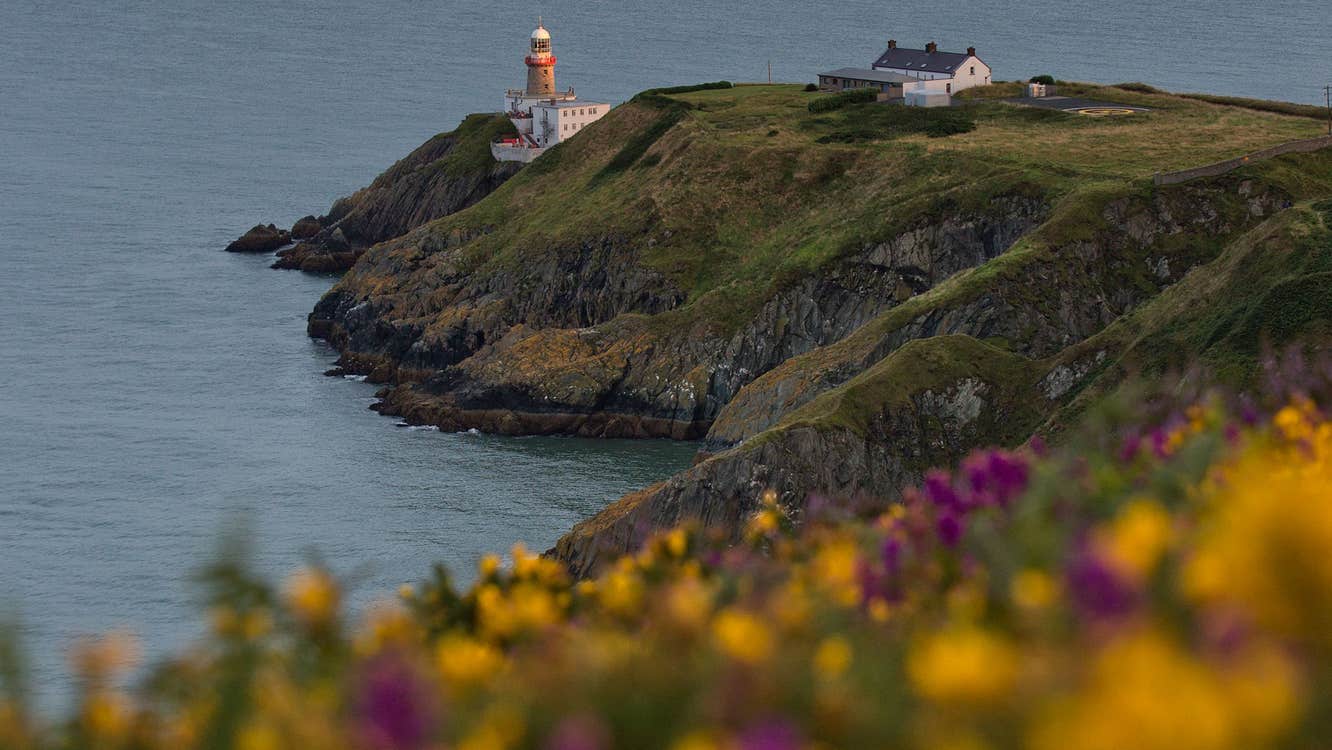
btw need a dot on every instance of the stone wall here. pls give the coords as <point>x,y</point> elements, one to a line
<point>1230,165</point>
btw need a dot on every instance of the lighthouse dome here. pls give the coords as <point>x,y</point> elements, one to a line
<point>541,34</point>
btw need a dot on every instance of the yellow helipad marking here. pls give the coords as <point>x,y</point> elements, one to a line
<point>1105,111</point>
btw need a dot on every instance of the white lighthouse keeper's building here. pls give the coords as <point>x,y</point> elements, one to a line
<point>543,115</point>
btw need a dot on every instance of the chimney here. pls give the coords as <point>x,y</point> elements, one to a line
<point>931,48</point>
<point>971,51</point>
<point>892,44</point>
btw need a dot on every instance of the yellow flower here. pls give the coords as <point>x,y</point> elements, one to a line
<point>765,523</point>
<point>1146,694</point>
<point>832,658</point>
<point>500,727</point>
<point>743,637</point>
<point>465,661</point>
<point>1264,544</point>
<point>963,665</point>
<point>488,566</point>
<point>621,590</point>
<point>534,607</point>
<point>677,542</point>
<point>387,623</point>
<point>689,603</point>
<point>1137,538</point>
<point>835,569</point>
<point>880,611</point>
<point>697,740</point>
<point>1034,590</point>
<point>259,736</point>
<point>107,715</point>
<point>313,596</point>
<point>790,606</point>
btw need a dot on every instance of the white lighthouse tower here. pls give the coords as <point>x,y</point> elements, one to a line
<point>543,115</point>
<point>540,64</point>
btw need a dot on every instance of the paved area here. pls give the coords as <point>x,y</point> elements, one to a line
<point>1076,105</point>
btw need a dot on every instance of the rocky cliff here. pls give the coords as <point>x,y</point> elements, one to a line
<point>834,302</point>
<point>446,174</point>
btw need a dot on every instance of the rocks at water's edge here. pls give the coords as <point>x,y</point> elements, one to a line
<point>261,239</point>
<point>305,228</point>
<point>447,174</point>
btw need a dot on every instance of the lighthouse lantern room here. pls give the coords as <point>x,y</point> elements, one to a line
<point>543,115</point>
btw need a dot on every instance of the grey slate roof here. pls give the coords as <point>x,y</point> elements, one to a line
<point>864,74</point>
<point>919,59</point>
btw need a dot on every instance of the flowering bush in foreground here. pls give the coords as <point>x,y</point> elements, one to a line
<point>1171,591</point>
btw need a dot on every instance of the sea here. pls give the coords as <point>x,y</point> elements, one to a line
<point>159,396</point>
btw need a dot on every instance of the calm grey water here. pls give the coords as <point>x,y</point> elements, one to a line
<point>154,389</point>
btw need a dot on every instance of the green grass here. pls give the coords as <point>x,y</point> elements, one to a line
<point>733,193</point>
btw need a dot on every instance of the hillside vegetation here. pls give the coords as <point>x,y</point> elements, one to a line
<point>835,300</point>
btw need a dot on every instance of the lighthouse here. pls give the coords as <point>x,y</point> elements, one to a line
<point>543,115</point>
<point>540,64</point>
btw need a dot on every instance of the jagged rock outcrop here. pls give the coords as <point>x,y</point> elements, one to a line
<point>261,239</point>
<point>540,349</point>
<point>933,401</point>
<point>305,228</point>
<point>444,175</point>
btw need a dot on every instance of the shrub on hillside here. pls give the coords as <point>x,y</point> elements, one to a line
<point>886,123</point>
<point>1263,105</point>
<point>715,85</point>
<point>810,87</point>
<point>1045,79</point>
<point>1141,88</point>
<point>844,99</point>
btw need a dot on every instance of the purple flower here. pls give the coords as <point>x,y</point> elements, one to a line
<point>949,526</point>
<point>1131,447</point>
<point>1008,475</point>
<point>939,489</point>
<point>394,712</point>
<point>1098,589</point>
<point>1038,446</point>
<point>774,734</point>
<point>1160,439</point>
<point>892,554</point>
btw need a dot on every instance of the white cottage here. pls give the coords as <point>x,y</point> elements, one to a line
<point>933,71</point>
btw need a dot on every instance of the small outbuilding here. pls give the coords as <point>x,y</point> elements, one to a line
<point>888,84</point>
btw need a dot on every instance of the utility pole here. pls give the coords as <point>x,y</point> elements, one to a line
<point>1327,97</point>
<point>770,72</point>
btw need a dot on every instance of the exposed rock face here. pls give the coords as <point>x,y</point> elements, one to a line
<point>544,349</point>
<point>777,434</point>
<point>1059,298</point>
<point>305,228</point>
<point>890,449</point>
<point>261,239</point>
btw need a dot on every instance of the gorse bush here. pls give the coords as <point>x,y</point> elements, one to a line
<point>666,91</point>
<point>1159,586</point>
<point>844,99</point>
<point>885,123</point>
